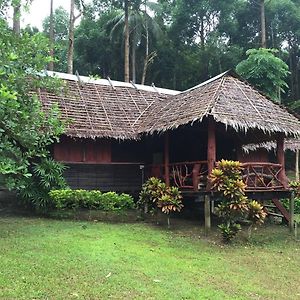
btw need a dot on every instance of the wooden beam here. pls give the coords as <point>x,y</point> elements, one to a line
<point>281,160</point>
<point>207,214</point>
<point>211,145</point>
<point>167,159</point>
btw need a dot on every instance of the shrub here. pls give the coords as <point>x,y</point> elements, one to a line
<point>226,178</point>
<point>34,190</point>
<point>155,195</point>
<point>295,185</point>
<point>286,204</point>
<point>83,199</point>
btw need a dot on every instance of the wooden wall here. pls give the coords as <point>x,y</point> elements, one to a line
<point>105,177</point>
<point>101,164</point>
<point>83,150</point>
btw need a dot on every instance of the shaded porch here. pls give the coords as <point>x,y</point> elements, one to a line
<point>214,141</point>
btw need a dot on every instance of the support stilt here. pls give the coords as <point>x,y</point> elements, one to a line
<point>207,214</point>
<point>292,211</point>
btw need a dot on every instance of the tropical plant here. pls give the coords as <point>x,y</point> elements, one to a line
<point>141,27</point>
<point>264,70</point>
<point>235,206</point>
<point>46,175</point>
<point>26,131</point>
<point>155,194</point>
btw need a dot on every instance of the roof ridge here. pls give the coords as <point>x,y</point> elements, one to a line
<point>207,81</point>
<point>109,82</point>
<point>215,97</point>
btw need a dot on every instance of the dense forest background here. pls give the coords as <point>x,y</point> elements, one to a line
<point>177,43</point>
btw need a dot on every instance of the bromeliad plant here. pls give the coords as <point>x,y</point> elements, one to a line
<point>156,195</point>
<point>226,178</point>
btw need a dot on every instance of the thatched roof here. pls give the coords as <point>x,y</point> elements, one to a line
<point>227,99</point>
<point>104,108</point>
<point>289,144</point>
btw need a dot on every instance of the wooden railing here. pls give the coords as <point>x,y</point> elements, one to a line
<point>184,175</point>
<point>258,176</point>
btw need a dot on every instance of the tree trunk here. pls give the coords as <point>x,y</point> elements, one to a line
<point>133,60</point>
<point>17,18</point>
<point>51,36</point>
<point>71,38</point>
<point>126,45</point>
<point>263,24</point>
<point>147,46</point>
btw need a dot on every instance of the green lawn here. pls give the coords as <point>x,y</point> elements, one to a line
<point>48,259</point>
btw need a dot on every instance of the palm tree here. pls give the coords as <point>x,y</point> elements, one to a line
<point>140,25</point>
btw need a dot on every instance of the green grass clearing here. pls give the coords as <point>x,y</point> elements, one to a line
<point>50,259</point>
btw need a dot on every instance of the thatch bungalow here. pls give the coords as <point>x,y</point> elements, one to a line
<point>119,133</point>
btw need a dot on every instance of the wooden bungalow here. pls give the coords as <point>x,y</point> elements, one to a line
<point>120,133</point>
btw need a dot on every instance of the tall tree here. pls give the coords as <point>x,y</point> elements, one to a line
<point>71,37</point>
<point>51,37</point>
<point>81,7</point>
<point>25,130</point>
<point>126,41</point>
<point>60,37</point>
<point>17,16</point>
<point>263,24</point>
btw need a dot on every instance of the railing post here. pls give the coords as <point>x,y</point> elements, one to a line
<point>280,159</point>
<point>167,159</point>
<point>211,147</point>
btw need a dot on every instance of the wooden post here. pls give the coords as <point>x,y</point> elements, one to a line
<point>167,159</point>
<point>211,146</point>
<point>207,214</point>
<point>280,159</point>
<point>292,208</point>
<point>297,165</point>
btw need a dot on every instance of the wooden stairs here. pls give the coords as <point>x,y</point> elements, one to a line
<point>277,209</point>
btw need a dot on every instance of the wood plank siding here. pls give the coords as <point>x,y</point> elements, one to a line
<point>105,177</point>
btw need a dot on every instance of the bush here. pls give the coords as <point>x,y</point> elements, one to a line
<point>155,194</point>
<point>286,204</point>
<point>34,190</point>
<point>83,199</point>
<point>226,179</point>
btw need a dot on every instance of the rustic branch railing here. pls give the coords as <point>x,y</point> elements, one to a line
<point>259,176</point>
<point>184,175</point>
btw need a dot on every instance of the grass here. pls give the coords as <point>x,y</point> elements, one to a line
<point>50,259</point>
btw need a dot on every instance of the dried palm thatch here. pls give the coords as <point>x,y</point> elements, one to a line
<point>105,108</point>
<point>230,101</point>
<point>102,108</point>
<point>289,144</point>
